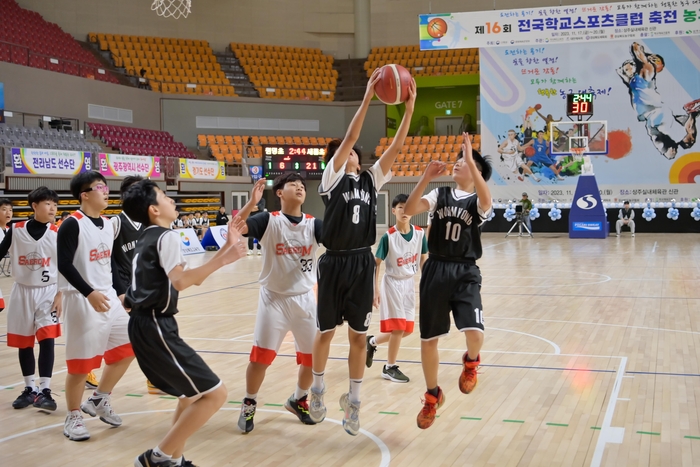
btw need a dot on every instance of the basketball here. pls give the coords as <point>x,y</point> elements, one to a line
<point>392,87</point>
<point>529,151</point>
<point>437,27</point>
<point>538,106</point>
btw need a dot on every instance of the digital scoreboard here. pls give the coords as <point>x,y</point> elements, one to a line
<point>579,104</point>
<point>281,159</point>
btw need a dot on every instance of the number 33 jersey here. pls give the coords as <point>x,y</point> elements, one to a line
<point>289,255</point>
<point>34,262</point>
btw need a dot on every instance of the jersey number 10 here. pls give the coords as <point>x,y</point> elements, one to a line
<point>453,231</point>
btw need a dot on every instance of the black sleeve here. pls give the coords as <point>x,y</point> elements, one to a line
<point>117,282</point>
<point>257,225</point>
<point>6,243</point>
<point>66,245</point>
<point>318,230</point>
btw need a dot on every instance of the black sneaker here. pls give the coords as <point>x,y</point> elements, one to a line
<point>393,373</point>
<point>300,408</point>
<point>370,352</point>
<point>145,460</point>
<point>245,419</point>
<point>25,399</point>
<point>44,400</point>
<point>186,463</point>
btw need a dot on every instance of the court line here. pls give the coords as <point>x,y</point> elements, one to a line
<point>606,278</point>
<point>557,350</point>
<point>656,297</point>
<point>217,290</point>
<point>593,324</point>
<point>608,433</point>
<point>654,249</point>
<point>383,448</point>
<point>22,382</point>
<point>495,244</point>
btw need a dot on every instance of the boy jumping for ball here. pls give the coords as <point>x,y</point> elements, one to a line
<point>450,280</point>
<point>167,361</point>
<point>402,247</point>
<point>287,301</point>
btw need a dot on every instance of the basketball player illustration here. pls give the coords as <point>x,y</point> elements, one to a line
<point>510,150</point>
<point>639,74</point>
<point>541,156</point>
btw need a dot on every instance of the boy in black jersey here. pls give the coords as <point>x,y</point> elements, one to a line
<point>166,360</point>
<point>346,270</point>
<point>450,280</point>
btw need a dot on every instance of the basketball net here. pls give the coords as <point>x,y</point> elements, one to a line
<point>172,8</point>
<point>577,152</point>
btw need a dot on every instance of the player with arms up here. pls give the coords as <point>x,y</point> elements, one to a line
<point>450,280</point>
<point>346,270</point>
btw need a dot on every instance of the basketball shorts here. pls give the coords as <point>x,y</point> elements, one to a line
<point>277,315</point>
<point>543,159</point>
<point>397,304</point>
<point>345,289</point>
<point>167,361</point>
<point>92,336</point>
<point>30,314</point>
<point>449,286</point>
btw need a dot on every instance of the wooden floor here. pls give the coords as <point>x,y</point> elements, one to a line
<point>591,357</point>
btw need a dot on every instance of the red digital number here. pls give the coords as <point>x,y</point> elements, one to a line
<point>281,165</point>
<point>308,165</point>
<point>303,151</point>
<point>583,107</point>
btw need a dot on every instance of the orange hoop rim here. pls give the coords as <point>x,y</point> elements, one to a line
<point>577,151</point>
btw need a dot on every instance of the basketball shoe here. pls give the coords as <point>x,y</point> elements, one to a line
<point>101,405</point>
<point>44,400</point>
<point>91,381</point>
<point>468,379</point>
<point>245,419</point>
<point>370,352</point>
<point>300,408</point>
<point>146,460</point>
<point>317,408</point>
<point>74,427</point>
<point>692,107</point>
<point>392,373</point>
<point>426,416</point>
<point>25,399</point>
<point>152,389</point>
<point>351,415</point>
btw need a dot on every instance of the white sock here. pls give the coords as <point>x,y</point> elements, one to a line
<point>75,412</point>
<point>373,341</point>
<point>29,381</point>
<point>99,395</point>
<point>318,385</point>
<point>159,456</point>
<point>299,393</point>
<point>178,461</point>
<point>354,393</point>
<point>389,365</point>
<point>251,396</point>
<point>44,383</point>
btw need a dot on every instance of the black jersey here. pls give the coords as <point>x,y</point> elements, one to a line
<point>350,218</point>
<point>454,228</point>
<point>150,289</point>
<point>126,232</point>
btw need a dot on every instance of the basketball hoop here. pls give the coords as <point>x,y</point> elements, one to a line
<point>577,152</point>
<point>172,8</point>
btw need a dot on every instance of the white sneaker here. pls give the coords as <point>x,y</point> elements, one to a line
<point>351,417</point>
<point>317,408</point>
<point>259,251</point>
<point>250,252</point>
<point>103,409</point>
<point>74,427</point>
<point>617,235</point>
<point>633,235</point>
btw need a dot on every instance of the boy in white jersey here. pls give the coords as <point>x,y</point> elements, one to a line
<point>402,247</point>
<point>95,320</point>
<point>287,301</point>
<point>35,302</point>
<point>510,150</point>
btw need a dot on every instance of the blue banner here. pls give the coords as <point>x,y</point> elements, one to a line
<point>587,218</point>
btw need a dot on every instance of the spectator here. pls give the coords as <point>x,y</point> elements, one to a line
<point>221,217</point>
<point>64,216</point>
<point>625,217</point>
<point>527,207</point>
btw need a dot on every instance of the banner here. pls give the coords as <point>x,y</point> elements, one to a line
<point>50,161</point>
<point>207,170</point>
<point>215,236</point>
<point>2,103</point>
<point>123,165</point>
<point>559,24</point>
<point>646,91</point>
<point>189,243</point>
<point>587,218</point>
<point>255,172</point>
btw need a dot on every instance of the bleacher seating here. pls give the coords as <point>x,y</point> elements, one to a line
<point>280,72</point>
<point>27,39</point>
<point>425,63</point>
<point>139,141</point>
<point>48,138</point>
<point>172,66</point>
<point>418,151</point>
<point>231,149</point>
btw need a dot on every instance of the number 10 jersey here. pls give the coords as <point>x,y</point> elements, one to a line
<point>289,255</point>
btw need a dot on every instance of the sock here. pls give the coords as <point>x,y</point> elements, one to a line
<point>299,393</point>
<point>178,461</point>
<point>373,341</point>
<point>75,412</point>
<point>44,383</point>
<point>435,391</point>
<point>318,385</point>
<point>159,456</point>
<point>251,396</point>
<point>389,365</point>
<point>470,359</point>
<point>354,394</point>
<point>29,381</point>
<point>97,396</point>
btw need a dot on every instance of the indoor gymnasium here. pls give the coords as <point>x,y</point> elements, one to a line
<point>335,233</point>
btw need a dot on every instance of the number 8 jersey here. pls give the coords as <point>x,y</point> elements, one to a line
<point>289,255</point>
<point>34,262</point>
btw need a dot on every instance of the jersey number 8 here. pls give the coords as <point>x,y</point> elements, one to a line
<point>356,214</point>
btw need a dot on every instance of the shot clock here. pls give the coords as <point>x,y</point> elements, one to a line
<point>579,104</point>
<point>305,160</point>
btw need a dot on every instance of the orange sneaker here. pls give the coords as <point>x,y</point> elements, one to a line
<point>468,380</point>
<point>426,417</point>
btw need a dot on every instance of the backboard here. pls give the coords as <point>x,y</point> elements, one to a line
<point>591,135</point>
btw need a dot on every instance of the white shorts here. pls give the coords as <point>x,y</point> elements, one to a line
<point>92,336</point>
<point>30,314</point>
<point>512,161</point>
<point>397,304</point>
<point>279,314</point>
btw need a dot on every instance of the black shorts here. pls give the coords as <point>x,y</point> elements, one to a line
<point>167,361</point>
<point>449,286</point>
<point>345,289</point>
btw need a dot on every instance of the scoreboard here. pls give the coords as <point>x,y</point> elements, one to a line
<point>304,160</point>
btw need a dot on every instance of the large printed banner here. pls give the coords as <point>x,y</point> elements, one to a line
<point>49,161</point>
<point>123,165</point>
<point>647,92</point>
<point>207,170</point>
<point>189,243</point>
<point>559,24</point>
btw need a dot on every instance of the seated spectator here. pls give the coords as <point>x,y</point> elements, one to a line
<point>625,218</point>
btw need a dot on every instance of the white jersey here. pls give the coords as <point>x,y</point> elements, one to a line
<point>34,262</point>
<point>94,254</point>
<point>511,147</point>
<point>403,258</point>
<point>289,255</point>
